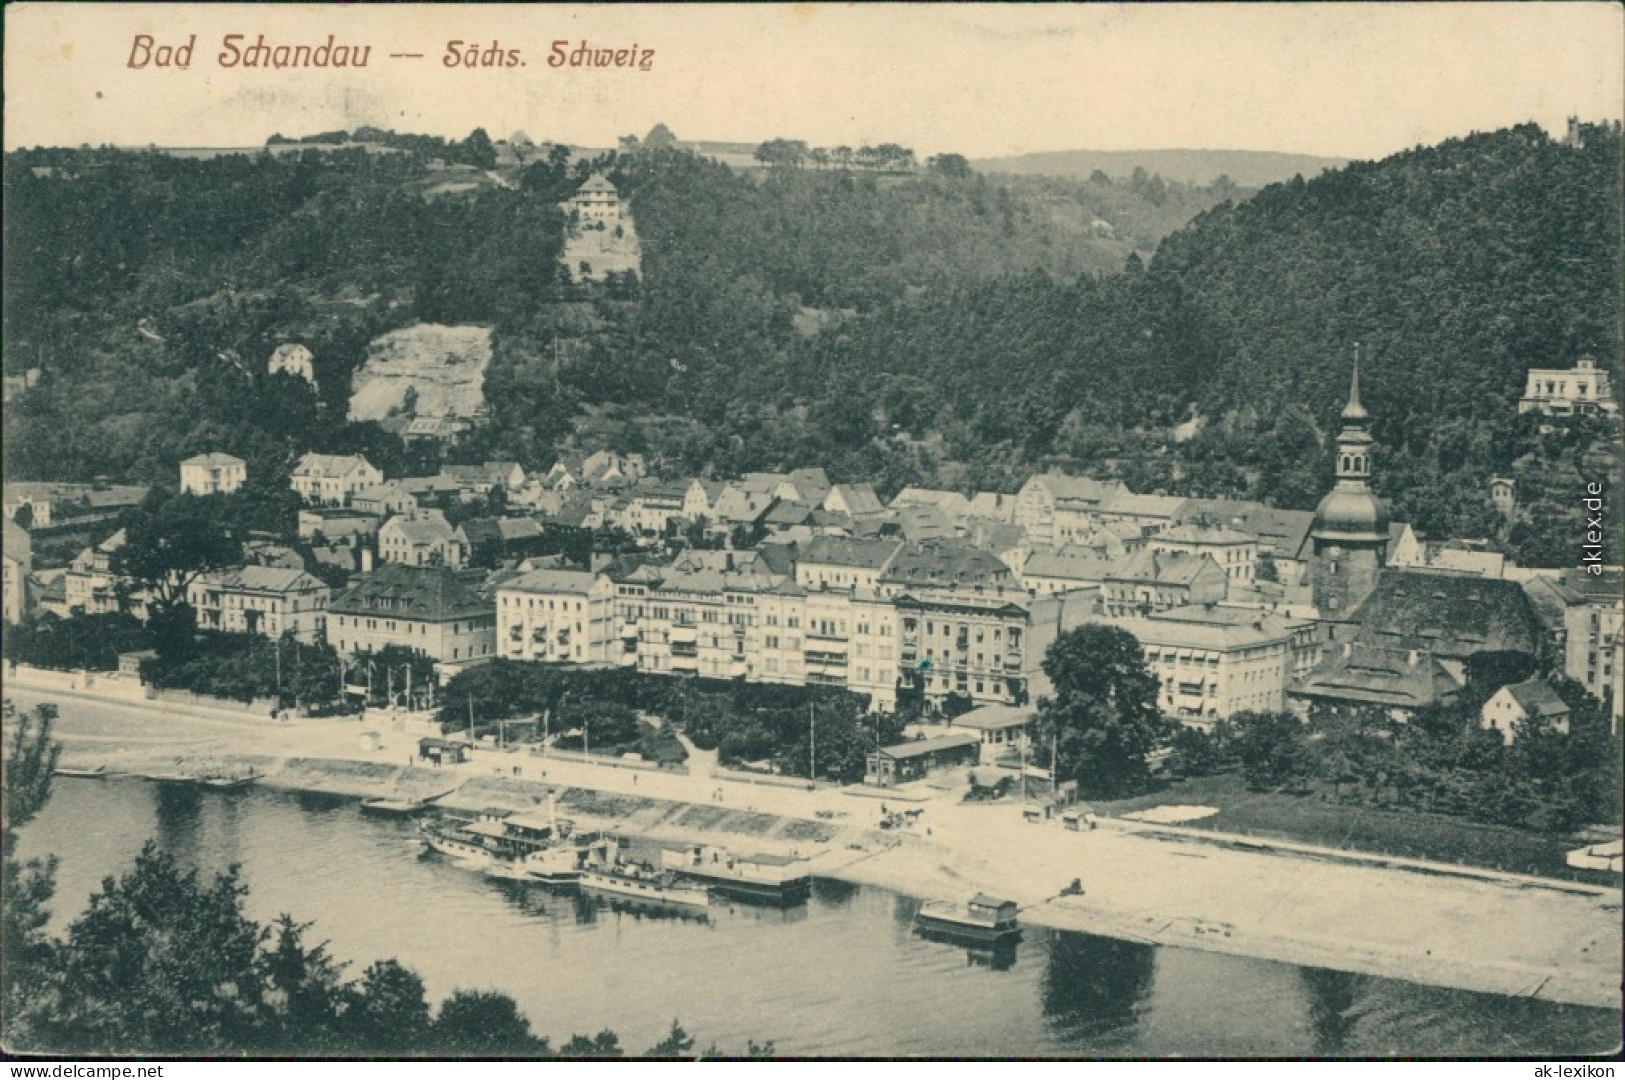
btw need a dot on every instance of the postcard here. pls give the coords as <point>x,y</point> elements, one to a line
<point>813,531</point>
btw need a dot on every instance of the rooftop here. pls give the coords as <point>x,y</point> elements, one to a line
<point>427,593</point>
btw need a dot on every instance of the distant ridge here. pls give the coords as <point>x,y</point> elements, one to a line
<point>1247,168</point>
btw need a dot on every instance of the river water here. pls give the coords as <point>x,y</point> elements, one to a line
<point>842,975</point>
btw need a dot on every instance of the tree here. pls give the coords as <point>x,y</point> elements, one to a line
<point>952,166</point>
<point>476,150</point>
<point>677,1044</point>
<point>660,137</point>
<point>484,1023</point>
<point>160,962</point>
<point>606,1044</point>
<point>782,153</point>
<point>26,886</point>
<point>1274,749</point>
<point>303,990</point>
<point>170,540</point>
<point>388,1012</point>
<point>1104,716</point>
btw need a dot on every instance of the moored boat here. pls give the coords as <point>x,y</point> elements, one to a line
<point>231,782</point>
<point>392,807</point>
<point>758,878</point>
<point>983,918</point>
<point>88,772</point>
<point>606,872</point>
<point>516,847</point>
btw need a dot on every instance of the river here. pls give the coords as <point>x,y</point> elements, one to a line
<point>842,975</point>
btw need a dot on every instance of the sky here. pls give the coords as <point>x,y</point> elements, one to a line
<point>1351,80</point>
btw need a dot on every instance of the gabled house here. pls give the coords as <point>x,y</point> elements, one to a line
<point>421,538</point>
<point>330,479</point>
<point>213,474</point>
<point>428,609</point>
<point>1151,581</point>
<point>1054,507</point>
<point>853,500</point>
<point>384,499</point>
<point>1520,703</point>
<point>265,600</point>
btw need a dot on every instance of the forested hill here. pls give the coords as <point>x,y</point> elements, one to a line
<point>1249,168</point>
<point>150,288</point>
<point>936,327</point>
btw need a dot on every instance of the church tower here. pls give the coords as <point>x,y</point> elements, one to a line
<point>1350,534</point>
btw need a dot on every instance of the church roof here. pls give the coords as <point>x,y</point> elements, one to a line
<point>1452,615</point>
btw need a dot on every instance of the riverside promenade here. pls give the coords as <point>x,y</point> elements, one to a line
<point>1436,924</point>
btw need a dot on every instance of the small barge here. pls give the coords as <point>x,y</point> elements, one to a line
<point>981,919</point>
<point>761,878</point>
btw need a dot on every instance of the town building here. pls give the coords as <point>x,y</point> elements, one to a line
<point>479,481</point>
<point>294,359</point>
<point>421,538</point>
<point>265,600</point>
<point>1395,680</point>
<point>1067,569</point>
<point>428,609</point>
<point>1235,552</point>
<point>1212,662</point>
<point>1593,640</point>
<point>1504,496</point>
<point>91,588</point>
<point>49,503</point>
<point>325,524</point>
<point>18,555</point>
<point>330,479</point>
<point>1150,581</point>
<point>914,760</point>
<point>853,500</point>
<point>488,541</point>
<point>557,616</point>
<point>1582,390</point>
<point>1152,514</point>
<point>213,474</point>
<point>596,200</point>
<point>1452,616</point>
<point>700,498</point>
<point>1003,731</point>
<point>390,497</point>
<point>1055,508</point>
<point>1517,704</point>
<point>830,562</point>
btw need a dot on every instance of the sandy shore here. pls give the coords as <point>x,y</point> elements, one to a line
<point>1482,931</point>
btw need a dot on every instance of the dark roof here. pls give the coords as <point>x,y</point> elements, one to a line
<point>922,747</point>
<point>1452,615</point>
<point>1375,675</point>
<point>427,593</point>
<point>848,551</point>
<point>1286,532</point>
<point>1537,698</point>
<point>946,565</point>
<point>1161,567</point>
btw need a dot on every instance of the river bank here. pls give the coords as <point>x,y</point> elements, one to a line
<point>1487,932</point>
